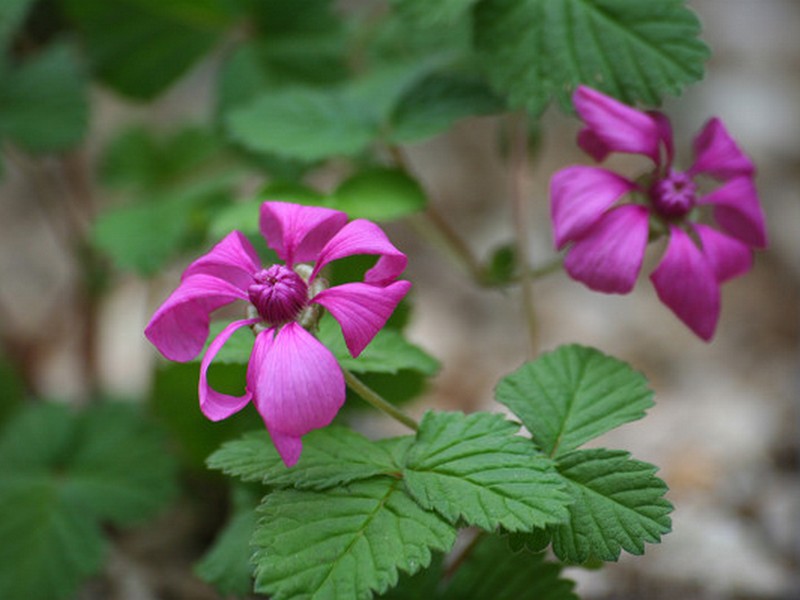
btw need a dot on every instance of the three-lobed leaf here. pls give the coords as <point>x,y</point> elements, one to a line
<point>475,468</point>
<point>345,542</point>
<point>618,505</point>
<point>634,50</point>
<point>574,394</point>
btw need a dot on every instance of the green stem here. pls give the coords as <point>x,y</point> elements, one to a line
<point>519,198</point>
<point>546,269</point>
<point>372,397</point>
<point>457,246</point>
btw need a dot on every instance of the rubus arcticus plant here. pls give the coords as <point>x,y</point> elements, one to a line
<point>297,296</point>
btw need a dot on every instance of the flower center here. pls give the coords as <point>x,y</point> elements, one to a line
<point>673,196</point>
<point>278,294</point>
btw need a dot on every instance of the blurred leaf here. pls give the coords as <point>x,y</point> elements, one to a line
<point>12,390</point>
<point>331,456</point>
<point>618,505</point>
<point>142,237</point>
<point>502,265</point>
<point>389,352</point>
<point>43,102</point>
<point>302,123</point>
<point>315,123</point>
<point>63,472</point>
<point>226,565</point>
<point>119,469</point>
<point>379,194</point>
<point>636,51</point>
<point>494,571</point>
<point>49,544</point>
<point>310,542</point>
<point>574,394</point>
<point>477,469</point>
<point>237,349</point>
<point>437,102</point>
<point>140,47</point>
<point>12,16</point>
<point>427,14</point>
<point>139,159</point>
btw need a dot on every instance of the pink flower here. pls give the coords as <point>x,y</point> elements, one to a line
<point>294,381</point>
<point>609,235</point>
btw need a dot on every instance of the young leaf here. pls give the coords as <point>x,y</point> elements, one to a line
<point>573,394</point>
<point>379,194</point>
<point>331,456</point>
<point>43,103</point>
<point>389,352</point>
<point>344,542</point>
<point>433,14</point>
<point>619,505</point>
<point>475,468</point>
<point>50,545</point>
<point>494,571</point>
<point>634,50</point>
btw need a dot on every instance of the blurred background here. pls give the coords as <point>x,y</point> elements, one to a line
<point>724,429</point>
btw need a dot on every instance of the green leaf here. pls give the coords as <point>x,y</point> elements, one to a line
<point>494,571</point>
<point>226,565</point>
<point>344,542</point>
<point>423,584</point>
<point>379,194</point>
<point>475,468</point>
<point>573,394</point>
<point>302,123</point>
<point>49,545</point>
<point>118,469</point>
<point>331,456</point>
<point>618,505</point>
<point>61,473</point>
<point>140,47</point>
<point>315,123</point>
<point>142,237</point>
<point>634,50</point>
<point>43,102</point>
<point>437,102</point>
<point>12,16</point>
<point>430,14</point>
<point>389,352</point>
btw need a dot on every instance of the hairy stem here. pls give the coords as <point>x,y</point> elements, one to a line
<point>372,397</point>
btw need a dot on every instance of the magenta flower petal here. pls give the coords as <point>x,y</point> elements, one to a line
<point>362,309</point>
<point>297,233</point>
<point>612,126</point>
<point>665,134</point>
<point>216,405</point>
<point>685,281</point>
<point>233,259</point>
<point>727,256</point>
<point>297,386</point>
<point>579,197</point>
<point>364,237</point>
<point>608,258</point>
<point>179,327</point>
<point>738,211</point>
<point>716,153</point>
